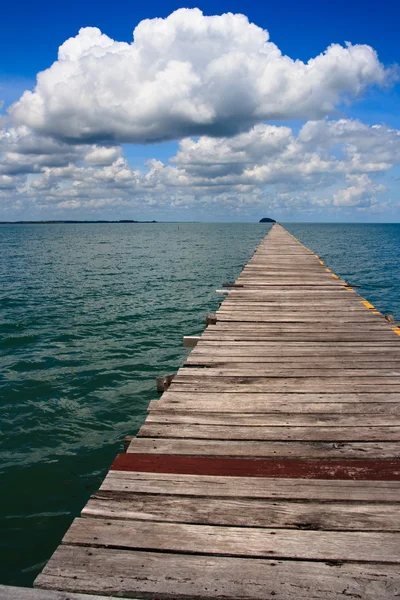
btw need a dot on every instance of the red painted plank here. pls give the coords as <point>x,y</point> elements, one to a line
<point>378,470</point>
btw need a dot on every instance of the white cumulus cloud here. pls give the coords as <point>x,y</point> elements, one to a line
<point>100,155</point>
<point>327,166</point>
<point>187,74</point>
<point>362,192</point>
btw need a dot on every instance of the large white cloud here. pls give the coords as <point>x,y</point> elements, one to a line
<point>188,74</point>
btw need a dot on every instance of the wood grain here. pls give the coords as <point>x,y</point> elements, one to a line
<point>170,576</point>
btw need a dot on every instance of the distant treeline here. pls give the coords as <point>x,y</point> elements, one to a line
<point>69,221</point>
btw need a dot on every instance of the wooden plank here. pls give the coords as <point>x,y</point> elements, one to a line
<point>332,311</point>
<point>273,297</point>
<point>335,291</point>
<point>300,350</point>
<point>275,347</point>
<point>289,385</point>
<point>171,576</point>
<point>8,592</point>
<point>290,433</point>
<point>306,279</point>
<point>266,271</point>
<point>293,333</point>
<point>230,318</point>
<point>302,336</point>
<point>244,512</point>
<point>277,371</point>
<point>264,449</point>
<point>262,322</point>
<point>272,362</point>
<point>273,409</point>
<point>265,419</point>
<point>284,287</point>
<point>293,489</point>
<point>366,469</point>
<point>275,309</point>
<point>282,284</point>
<point>324,313</point>
<point>261,328</point>
<point>332,308</point>
<point>251,400</point>
<point>236,541</point>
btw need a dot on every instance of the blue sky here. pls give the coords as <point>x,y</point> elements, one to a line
<point>30,35</point>
<point>32,31</point>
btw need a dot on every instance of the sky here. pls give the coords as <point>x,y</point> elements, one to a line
<point>223,111</point>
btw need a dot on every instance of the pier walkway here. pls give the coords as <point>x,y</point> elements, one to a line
<point>270,468</point>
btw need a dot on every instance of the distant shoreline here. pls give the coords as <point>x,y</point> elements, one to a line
<point>69,222</point>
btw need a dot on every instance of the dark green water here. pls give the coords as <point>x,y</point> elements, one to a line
<point>89,316</point>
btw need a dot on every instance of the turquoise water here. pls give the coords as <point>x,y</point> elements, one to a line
<point>89,316</point>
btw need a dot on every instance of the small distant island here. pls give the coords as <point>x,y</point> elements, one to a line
<point>267,220</point>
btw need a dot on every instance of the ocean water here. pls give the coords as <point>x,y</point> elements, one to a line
<point>90,315</point>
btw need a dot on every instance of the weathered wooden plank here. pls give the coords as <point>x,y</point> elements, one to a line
<point>265,419</point>
<point>321,490</point>
<point>293,385</point>
<point>283,283</point>
<point>263,268</point>
<point>275,410</point>
<point>292,300</point>
<point>233,319</point>
<point>301,336</point>
<point>291,293</point>
<point>306,468</point>
<point>272,362</point>
<point>302,330</point>
<point>290,290</point>
<point>250,400</point>
<point>277,371</point>
<point>273,309</point>
<point>8,592</point>
<point>275,297</point>
<point>305,281</point>
<point>311,269</point>
<point>244,512</point>
<point>172,576</point>
<point>299,346</point>
<point>236,541</point>
<point>332,308</point>
<point>239,448</point>
<point>260,322</point>
<point>300,349</point>
<point>327,433</point>
<point>264,271</point>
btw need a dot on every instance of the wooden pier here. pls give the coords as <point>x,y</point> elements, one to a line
<point>270,468</point>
